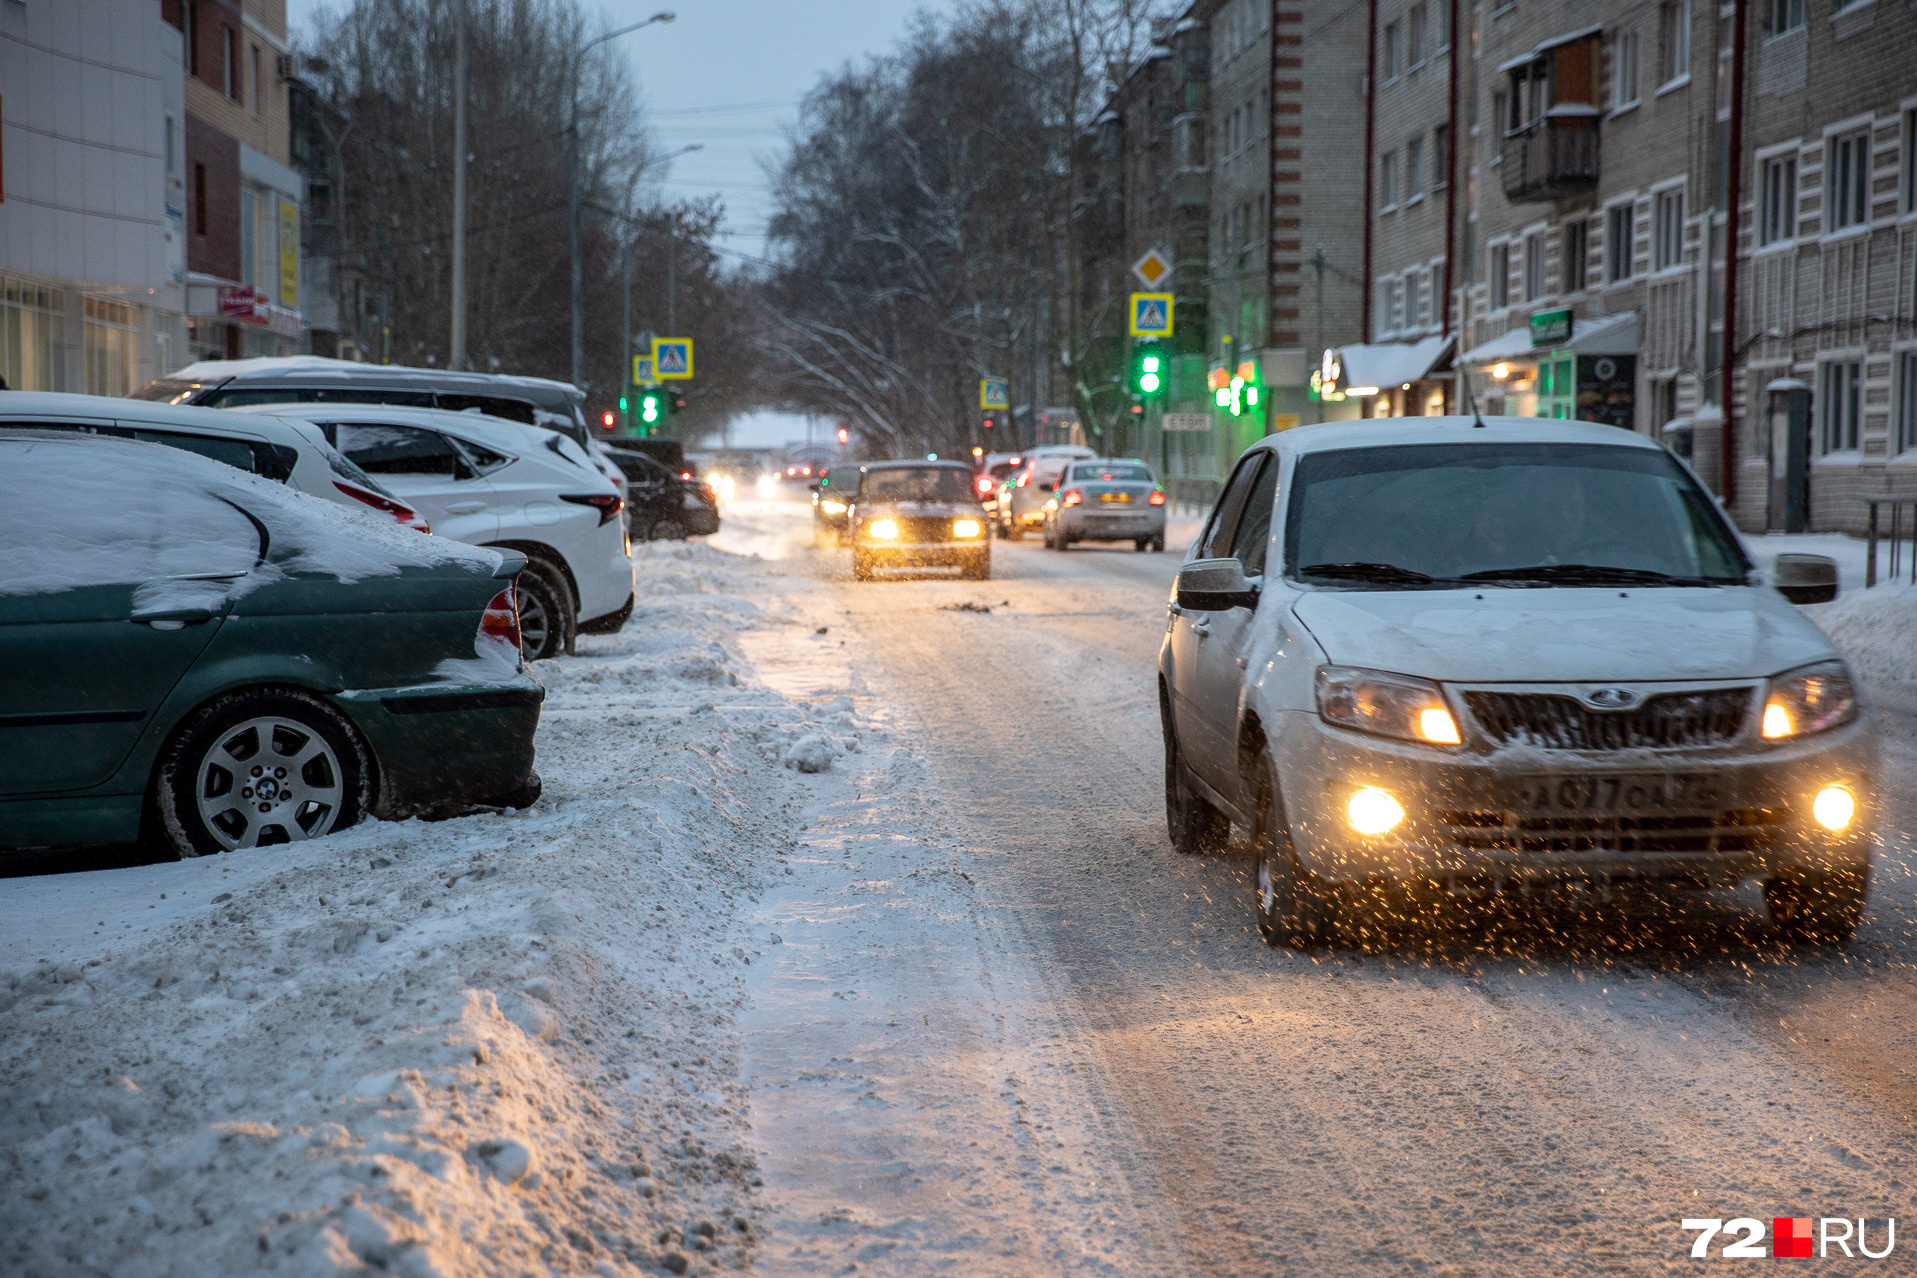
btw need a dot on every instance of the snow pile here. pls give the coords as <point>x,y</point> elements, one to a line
<point>503,1044</point>
<point>1876,630</point>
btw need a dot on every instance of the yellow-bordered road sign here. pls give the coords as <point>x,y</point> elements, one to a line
<point>992,394</point>
<point>642,370</point>
<point>1151,314</point>
<point>671,358</point>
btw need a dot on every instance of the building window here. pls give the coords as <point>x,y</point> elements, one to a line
<point>1843,405</point>
<point>1390,179</point>
<point>1907,401</point>
<point>1414,37</point>
<point>1441,157</point>
<point>1777,214</point>
<point>229,63</point>
<point>1667,231</point>
<point>1414,168</point>
<point>249,237</point>
<point>1534,285</point>
<point>1576,243</point>
<point>1785,15</point>
<point>32,326</point>
<point>1674,41</point>
<point>1500,113</point>
<point>1847,189</point>
<point>1500,276</point>
<point>110,341</point>
<point>254,70</point>
<point>1618,232</point>
<point>1442,29</point>
<point>199,199</point>
<point>1909,153</point>
<point>1624,67</point>
<point>1384,308</point>
<point>1390,52</point>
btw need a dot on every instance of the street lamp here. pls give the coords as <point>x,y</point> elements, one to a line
<point>572,133</point>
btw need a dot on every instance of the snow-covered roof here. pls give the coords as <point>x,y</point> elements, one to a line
<point>1602,335</point>
<point>1385,364</point>
<point>1555,42</point>
<point>208,370</point>
<point>1371,432</point>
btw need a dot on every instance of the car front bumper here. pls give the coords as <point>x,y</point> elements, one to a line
<point>445,748</point>
<point>922,554</point>
<point>1715,817</point>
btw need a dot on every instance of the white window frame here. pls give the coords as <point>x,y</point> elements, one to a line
<point>1388,181</point>
<point>1667,228</point>
<point>1627,68</point>
<point>1620,255</point>
<point>1840,405</point>
<point>1393,35</point>
<point>1574,254</point>
<point>1777,198</point>
<point>1498,257</point>
<point>1674,44</point>
<point>1537,261</point>
<point>1414,169</point>
<point>1784,17</point>
<point>1853,144</point>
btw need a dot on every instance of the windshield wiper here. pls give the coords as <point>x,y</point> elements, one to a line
<point>1360,571</point>
<point>1586,575</point>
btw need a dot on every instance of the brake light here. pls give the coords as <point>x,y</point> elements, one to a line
<point>1023,477</point>
<point>500,621</point>
<point>685,474</point>
<point>1157,498</point>
<point>607,504</point>
<point>985,485</point>
<point>401,514</point>
<point>1071,498</point>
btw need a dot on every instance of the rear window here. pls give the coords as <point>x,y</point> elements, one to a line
<point>395,450</point>
<point>234,452</point>
<point>917,483</point>
<point>512,410</point>
<point>166,390</point>
<point>1112,473</point>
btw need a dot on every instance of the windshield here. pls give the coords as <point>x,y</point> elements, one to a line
<point>917,483</point>
<point>1117,472</point>
<point>1520,514</point>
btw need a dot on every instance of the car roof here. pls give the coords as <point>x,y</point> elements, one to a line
<point>210,421</point>
<point>317,370</point>
<point>498,431</point>
<point>1385,432</point>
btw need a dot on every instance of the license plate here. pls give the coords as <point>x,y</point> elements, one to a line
<point>1115,497</point>
<point>1674,792</point>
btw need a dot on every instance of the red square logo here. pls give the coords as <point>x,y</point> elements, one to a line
<point>1791,1236</point>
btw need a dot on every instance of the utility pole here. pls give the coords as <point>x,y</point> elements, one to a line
<point>458,360</point>
<point>1318,264</point>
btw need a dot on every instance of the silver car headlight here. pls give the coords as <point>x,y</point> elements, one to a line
<point>1809,699</point>
<point>1390,705</point>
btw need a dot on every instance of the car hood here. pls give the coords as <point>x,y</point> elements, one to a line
<point>1564,635</point>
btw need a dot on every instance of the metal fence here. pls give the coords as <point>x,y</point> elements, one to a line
<point>1903,529</point>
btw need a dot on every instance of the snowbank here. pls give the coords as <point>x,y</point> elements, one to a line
<point>1876,630</point>
<point>503,1044</point>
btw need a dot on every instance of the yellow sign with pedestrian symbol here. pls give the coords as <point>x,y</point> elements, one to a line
<point>1151,314</point>
<point>671,358</point>
<point>642,370</point>
<point>992,394</point>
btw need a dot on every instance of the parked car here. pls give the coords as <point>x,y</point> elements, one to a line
<point>499,483</point>
<point>1021,504</point>
<point>215,661</point>
<point>1107,499</point>
<point>916,515</point>
<point>1428,652</point>
<point>666,505</point>
<point>832,504</point>
<point>293,452</point>
<point>994,469</point>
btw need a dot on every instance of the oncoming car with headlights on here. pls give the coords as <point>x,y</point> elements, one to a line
<point>915,515</point>
<point>1474,657</point>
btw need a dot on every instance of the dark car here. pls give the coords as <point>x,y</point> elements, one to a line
<point>667,505</point>
<point>832,504</point>
<point>670,453</point>
<point>918,514</point>
<point>212,661</point>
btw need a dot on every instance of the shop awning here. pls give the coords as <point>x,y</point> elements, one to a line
<point>1604,335</point>
<point>1388,364</point>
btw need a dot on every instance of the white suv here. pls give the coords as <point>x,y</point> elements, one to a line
<point>1446,655</point>
<point>499,483</point>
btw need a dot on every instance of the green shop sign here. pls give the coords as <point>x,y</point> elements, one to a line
<point>1550,328</point>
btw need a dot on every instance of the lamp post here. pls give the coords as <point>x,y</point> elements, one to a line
<point>572,135</point>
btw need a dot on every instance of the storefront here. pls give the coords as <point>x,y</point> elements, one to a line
<point>1385,379</point>
<point>1559,366</point>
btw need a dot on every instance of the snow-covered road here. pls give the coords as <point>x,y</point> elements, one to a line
<point>847,939</point>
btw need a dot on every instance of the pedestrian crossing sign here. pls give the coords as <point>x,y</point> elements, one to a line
<point>671,358</point>
<point>642,370</point>
<point>991,393</point>
<point>1151,314</point>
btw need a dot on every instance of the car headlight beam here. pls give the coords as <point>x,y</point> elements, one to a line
<point>831,507</point>
<point>883,530</point>
<point>967,528</point>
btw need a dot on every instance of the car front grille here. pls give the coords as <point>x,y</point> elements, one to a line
<point>1671,720</point>
<point>1731,830</point>
<point>921,529</point>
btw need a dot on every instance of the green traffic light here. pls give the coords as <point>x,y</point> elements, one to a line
<point>1149,381</point>
<point>1150,364</point>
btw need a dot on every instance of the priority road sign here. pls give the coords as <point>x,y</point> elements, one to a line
<point>991,393</point>
<point>671,358</point>
<point>642,370</point>
<point>1151,314</point>
<point>1153,267</point>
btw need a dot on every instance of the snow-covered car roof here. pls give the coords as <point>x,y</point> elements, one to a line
<point>1379,432</point>
<point>307,366</point>
<point>23,406</point>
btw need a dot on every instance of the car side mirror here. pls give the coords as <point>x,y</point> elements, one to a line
<point>1214,585</point>
<point>1805,579</point>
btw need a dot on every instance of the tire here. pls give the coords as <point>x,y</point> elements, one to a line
<point>1295,907</point>
<point>1142,545</point>
<point>214,774</point>
<point>1158,544</point>
<point>1059,541</point>
<point>546,618</point>
<point>610,624</point>
<point>1818,907</point>
<point>667,527</point>
<point>1195,826</point>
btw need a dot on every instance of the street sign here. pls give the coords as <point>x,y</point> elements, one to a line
<point>1151,314</point>
<point>1153,267</point>
<point>992,393</point>
<point>1185,421</point>
<point>642,370</point>
<point>671,358</point>
<point>1550,328</point>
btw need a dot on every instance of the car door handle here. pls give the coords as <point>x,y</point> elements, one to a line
<point>1203,627</point>
<point>1241,663</point>
<point>465,507</point>
<point>175,619</point>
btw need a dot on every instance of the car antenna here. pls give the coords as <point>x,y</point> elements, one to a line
<point>1477,417</point>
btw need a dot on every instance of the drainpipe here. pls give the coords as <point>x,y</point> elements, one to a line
<point>1734,197</point>
<point>1371,95</point>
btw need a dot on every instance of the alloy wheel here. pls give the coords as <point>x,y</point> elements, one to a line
<point>268,780</point>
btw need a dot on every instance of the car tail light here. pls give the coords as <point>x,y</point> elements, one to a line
<point>385,505</point>
<point>1157,498</point>
<point>685,474</point>
<point>1023,478</point>
<point>607,504</point>
<point>1071,497</point>
<point>984,485</point>
<point>501,619</point>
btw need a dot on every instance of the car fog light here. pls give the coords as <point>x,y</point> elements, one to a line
<point>1374,811</point>
<point>1833,807</point>
<point>884,530</point>
<point>966,528</point>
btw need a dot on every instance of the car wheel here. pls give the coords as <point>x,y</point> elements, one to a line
<point>1058,538</point>
<point>257,769</point>
<point>1818,907</point>
<point>1294,905</point>
<point>667,528</point>
<point>1158,545</point>
<point>1142,545</point>
<point>1194,824</point>
<point>545,612</point>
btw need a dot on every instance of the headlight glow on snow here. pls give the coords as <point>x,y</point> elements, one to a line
<point>884,530</point>
<point>1373,811</point>
<point>1833,807</point>
<point>1391,705</point>
<point>1809,699</point>
<point>966,528</point>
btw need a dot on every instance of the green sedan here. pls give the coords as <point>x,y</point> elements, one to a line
<point>200,657</point>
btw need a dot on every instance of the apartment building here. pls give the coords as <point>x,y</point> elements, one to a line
<point>92,262</point>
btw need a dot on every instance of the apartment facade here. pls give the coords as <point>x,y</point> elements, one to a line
<point>92,261</point>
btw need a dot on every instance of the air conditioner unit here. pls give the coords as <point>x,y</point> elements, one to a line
<point>283,64</point>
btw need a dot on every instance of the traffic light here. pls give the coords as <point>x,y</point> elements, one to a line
<point>844,435</point>
<point>623,410</point>
<point>652,408</point>
<point>1148,369</point>
<point>607,420</point>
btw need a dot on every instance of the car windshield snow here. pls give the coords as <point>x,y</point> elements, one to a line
<point>917,483</point>
<point>1510,514</point>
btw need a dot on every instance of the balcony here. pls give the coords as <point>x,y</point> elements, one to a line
<point>1550,159</point>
